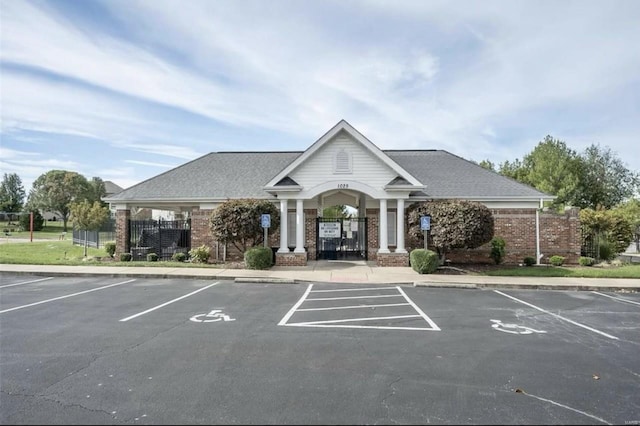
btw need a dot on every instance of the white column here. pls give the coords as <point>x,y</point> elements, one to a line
<point>299,227</point>
<point>383,232</point>
<point>284,207</point>
<point>400,226</point>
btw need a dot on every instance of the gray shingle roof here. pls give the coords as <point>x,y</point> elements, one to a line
<point>447,175</point>
<point>224,175</point>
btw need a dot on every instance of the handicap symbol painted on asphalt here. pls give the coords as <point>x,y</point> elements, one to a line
<point>513,328</point>
<point>213,316</point>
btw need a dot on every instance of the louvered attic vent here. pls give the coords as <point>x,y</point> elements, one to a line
<point>342,162</point>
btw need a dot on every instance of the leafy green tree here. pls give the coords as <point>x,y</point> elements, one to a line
<point>55,190</point>
<point>555,169</point>
<point>486,164</point>
<point>515,170</point>
<point>605,181</point>
<point>610,226</point>
<point>88,217</point>
<point>338,211</point>
<point>96,190</point>
<point>631,210</point>
<point>454,224</point>
<point>11,194</point>
<point>25,220</point>
<point>237,222</point>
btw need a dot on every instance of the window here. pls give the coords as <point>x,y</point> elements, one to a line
<point>291,229</point>
<point>391,228</point>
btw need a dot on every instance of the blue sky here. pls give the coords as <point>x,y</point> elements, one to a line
<point>127,89</point>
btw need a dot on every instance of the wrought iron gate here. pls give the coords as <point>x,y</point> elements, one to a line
<point>164,238</point>
<point>341,239</point>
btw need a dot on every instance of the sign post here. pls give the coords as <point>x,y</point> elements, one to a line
<point>425,226</point>
<point>265,221</point>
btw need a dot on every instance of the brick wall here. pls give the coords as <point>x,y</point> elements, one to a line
<point>291,259</point>
<point>392,259</point>
<point>310,216</point>
<point>122,232</point>
<point>559,235</point>
<point>372,233</point>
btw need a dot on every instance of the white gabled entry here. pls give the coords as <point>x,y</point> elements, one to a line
<point>346,161</point>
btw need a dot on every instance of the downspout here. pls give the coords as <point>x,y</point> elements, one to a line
<point>538,254</point>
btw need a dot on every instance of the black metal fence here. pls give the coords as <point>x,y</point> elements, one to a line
<point>162,237</point>
<point>96,239</point>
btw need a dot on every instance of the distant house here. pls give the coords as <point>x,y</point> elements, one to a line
<point>343,167</point>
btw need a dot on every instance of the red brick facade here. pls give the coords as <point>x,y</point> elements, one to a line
<point>559,235</point>
<point>122,232</point>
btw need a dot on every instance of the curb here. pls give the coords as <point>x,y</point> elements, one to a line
<point>264,280</point>
<point>528,287</point>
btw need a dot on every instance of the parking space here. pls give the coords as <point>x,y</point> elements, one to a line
<point>150,351</point>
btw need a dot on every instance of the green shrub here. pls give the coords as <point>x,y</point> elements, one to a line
<point>179,257</point>
<point>152,257</point>
<point>556,260</point>
<point>529,261</point>
<point>586,261</point>
<point>125,257</point>
<point>258,258</point>
<point>25,220</point>
<point>424,261</point>
<point>607,251</point>
<point>497,249</point>
<point>200,254</point>
<point>110,248</point>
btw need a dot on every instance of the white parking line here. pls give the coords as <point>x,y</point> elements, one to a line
<point>558,316</point>
<point>27,282</point>
<point>168,303</point>
<point>340,322</point>
<point>64,297</point>
<point>616,298</point>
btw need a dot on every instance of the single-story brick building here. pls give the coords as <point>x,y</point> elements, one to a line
<point>343,167</point>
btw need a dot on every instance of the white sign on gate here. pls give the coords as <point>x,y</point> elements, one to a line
<point>329,230</point>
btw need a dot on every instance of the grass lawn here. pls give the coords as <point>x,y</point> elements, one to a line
<point>65,253</point>
<point>56,252</point>
<point>624,271</point>
<point>50,231</point>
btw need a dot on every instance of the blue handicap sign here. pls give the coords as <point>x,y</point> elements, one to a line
<point>265,220</point>
<point>425,223</point>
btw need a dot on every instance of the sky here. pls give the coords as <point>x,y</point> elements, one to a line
<point>127,89</point>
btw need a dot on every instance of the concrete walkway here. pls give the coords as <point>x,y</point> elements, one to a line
<point>333,271</point>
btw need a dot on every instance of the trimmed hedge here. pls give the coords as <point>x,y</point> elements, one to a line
<point>556,260</point>
<point>152,257</point>
<point>529,261</point>
<point>125,257</point>
<point>424,261</point>
<point>258,258</point>
<point>110,248</point>
<point>179,257</point>
<point>586,261</point>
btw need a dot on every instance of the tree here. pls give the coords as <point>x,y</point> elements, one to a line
<point>55,190</point>
<point>553,168</point>
<point>11,194</point>
<point>88,217</point>
<point>238,222</point>
<point>604,181</point>
<point>486,164</point>
<point>631,210</point>
<point>610,227</point>
<point>454,224</point>
<point>514,170</point>
<point>25,220</point>
<point>338,212</point>
<point>96,190</point>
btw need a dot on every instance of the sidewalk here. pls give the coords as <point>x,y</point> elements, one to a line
<point>335,272</point>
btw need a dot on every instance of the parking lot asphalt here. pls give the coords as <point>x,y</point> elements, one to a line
<point>336,272</point>
<point>144,350</point>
